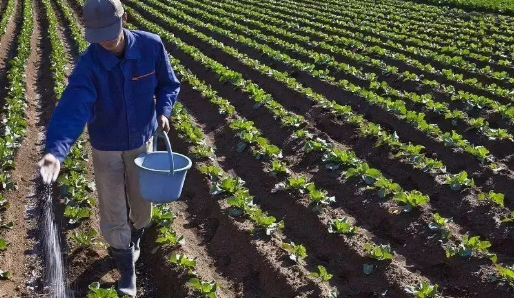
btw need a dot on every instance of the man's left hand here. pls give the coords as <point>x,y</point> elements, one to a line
<point>163,123</point>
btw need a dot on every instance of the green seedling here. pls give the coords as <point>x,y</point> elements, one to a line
<point>297,253</point>
<point>459,181</point>
<point>497,198</point>
<point>168,236</point>
<point>96,292</point>
<point>84,239</point>
<point>469,246</point>
<point>227,185</point>
<point>322,274</point>
<point>411,199</point>
<point>278,167</point>
<point>183,262</point>
<point>441,224</point>
<point>379,252</point>
<point>341,226</point>
<point>203,289</point>
<point>423,290</point>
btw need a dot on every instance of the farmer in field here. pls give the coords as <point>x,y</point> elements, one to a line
<point>112,90</point>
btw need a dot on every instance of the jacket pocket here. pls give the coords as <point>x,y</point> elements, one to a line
<point>144,84</point>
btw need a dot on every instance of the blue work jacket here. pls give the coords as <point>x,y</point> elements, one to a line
<point>115,96</point>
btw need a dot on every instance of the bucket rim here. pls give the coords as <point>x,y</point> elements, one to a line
<point>139,162</point>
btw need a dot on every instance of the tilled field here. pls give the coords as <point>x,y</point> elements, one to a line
<point>341,148</point>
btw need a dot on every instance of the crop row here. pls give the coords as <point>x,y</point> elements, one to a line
<point>391,39</point>
<point>15,125</point>
<point>363,39</point>
<point>441,37</point>
<point>496,27</point>
<point>239,84</point>
<point>74,185</point>
<point>370,46</point>
<point>411,153</point>
<point>425,100</point>
<point>250,136</point>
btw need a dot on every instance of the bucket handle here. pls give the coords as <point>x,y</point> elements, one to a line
<point>168,146</point>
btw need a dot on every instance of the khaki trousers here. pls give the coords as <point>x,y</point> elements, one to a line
<point>118,188</point>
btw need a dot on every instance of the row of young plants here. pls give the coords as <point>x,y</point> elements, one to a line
<point>392,40</point>
<point>370,45</point>
<point>447,41</point>
<point>350,41</point>
<point>271,156</point>
<point>397,107</point>
<point>72,24</point>
<point>14,123</point>
<point>225,107</point>
<point>445,23</point>
<point>503,6</point>
<point>467,246</point>
<point>411,154</point>
<point>424,100</point>
<point>75,187</point>
<point>441,19</point>
<point>473,101</point>
<point>251,137</point>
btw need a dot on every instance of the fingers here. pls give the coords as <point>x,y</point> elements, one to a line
<point>167,126</point>
<point>45,175</point>
<point>55,173</point>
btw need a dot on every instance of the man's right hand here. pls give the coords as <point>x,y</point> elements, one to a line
<point>49,167</point>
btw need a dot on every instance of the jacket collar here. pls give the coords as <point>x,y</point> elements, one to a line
<point>109,60</point>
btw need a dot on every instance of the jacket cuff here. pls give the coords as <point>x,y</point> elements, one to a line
<point>166,111</point>
<point>61,156</point>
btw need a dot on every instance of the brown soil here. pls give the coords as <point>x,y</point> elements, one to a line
<point>22,261</point>
<point>246,265</point>
<point>8,47</point>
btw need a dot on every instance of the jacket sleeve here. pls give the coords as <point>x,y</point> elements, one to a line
<point>168,85</point>
<point>73,111</point>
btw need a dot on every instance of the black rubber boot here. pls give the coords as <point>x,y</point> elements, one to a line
<point>136,240</point>
<point>125,262</point>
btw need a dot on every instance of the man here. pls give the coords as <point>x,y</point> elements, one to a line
<point>112,90</point>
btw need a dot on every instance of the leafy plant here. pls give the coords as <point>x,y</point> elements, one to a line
<point>506,274</point>
<point>169,237</point>
<point>440,224</point>
<point>423,290</point>
<point>491,196</point>
<point>411,199</point>
<point>214,172</point>
<point>379,252</point>
<point>459,181</point>
<point>95,291</point>
<point>509,218</point>
<point>183,262</point>
<point>300,183</point>
<point>162,215</point>
<point>263,221</point>
<point>278,167</point>
<point>227,185</point>
<point>341,226</point>
<point>84,239</point>
<point>297,252</point>
<point>322,274</point>
<point>468,246</point>
<point>76,214</point>
<point>319,197</point>
<point>5,274</point>
<point>203,289</point>
<point>369,175</point>
<point>240,202</point>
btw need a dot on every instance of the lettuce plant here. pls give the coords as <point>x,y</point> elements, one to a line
<point>341,226</point>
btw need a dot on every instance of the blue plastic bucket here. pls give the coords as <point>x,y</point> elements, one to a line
<point>162,173</point>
